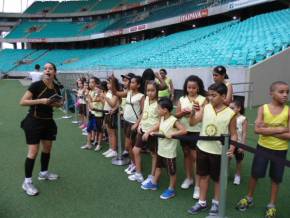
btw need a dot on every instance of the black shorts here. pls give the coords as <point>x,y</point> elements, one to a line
<point>191,144</point>
<point>260,164</point>
<point>238,155</point>
<point>128,132</point>
<point>168,163</point>
<point>83,109</point>
<point>38,129</point>
<point>151,143</point>
<point>208,164</point>
<point>111,120</point>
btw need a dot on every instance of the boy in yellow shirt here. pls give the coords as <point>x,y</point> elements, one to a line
<point>272,125</point>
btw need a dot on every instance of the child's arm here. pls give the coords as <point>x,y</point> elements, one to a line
<point>151,131</point>
<point>244,130</point>
<point>260,127</point>
<point>162,84</point>
<point>112,102</point>
<point>233,133</point>
<point>195,117</point>
<point>229,96</point>
<point>171,90</point>
<point>286,135</point>
<point>180,113</point>
<point>181,130</point>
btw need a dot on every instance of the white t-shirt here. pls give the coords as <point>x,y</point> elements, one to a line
<point>35,76</point>
<point>132,101</point>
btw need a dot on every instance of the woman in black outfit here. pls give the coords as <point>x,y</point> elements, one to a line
<point>39,126</point>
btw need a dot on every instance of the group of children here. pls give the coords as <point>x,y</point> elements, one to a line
<point>148,123</point>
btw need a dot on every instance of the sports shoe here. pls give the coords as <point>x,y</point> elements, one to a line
<point>149,179</point>
<point>244,204</point>
<point>136,177</point>
<point>86,146</point>
<point>29,188</point>
<point>128,168</point>
<point>270,212</point>
<point>132,170</point>
<point>111,154</point>
<point>107,152</point>
<point>85,133</point>
<point>195,194</point>
<point>47,176</point>
<point>98,147</point>
<point>214,210</point>
<point>167,194</point>
<point>149,186</point>
<point>125,153</point>
<point>197,208</point>
<point>186,183</point>
<point>237,180</point>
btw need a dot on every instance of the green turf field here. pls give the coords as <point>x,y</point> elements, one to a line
<point>90,186</point>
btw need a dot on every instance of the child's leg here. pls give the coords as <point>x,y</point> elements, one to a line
<point>252,186</point>
<point>113,139</point>
<point>196,176</point>
<point>154,162</point>
<point>157,175</point>
<point>172,184</point>
<point>137,158</point>
<point>188,162</point>
<point>89,136</point>
<point>203,185</point>
<point>99,137</point>
<point>238,168</point>
<point>217,190</point>
<point>274,192</point>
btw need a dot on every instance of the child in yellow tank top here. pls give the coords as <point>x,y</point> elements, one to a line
<point>272,125</point>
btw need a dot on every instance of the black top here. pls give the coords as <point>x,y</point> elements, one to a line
<point>40,90</point>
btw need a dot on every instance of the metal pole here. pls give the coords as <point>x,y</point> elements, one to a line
<point>66,116</point>
<point>120,160</point>
<point>223,178</point>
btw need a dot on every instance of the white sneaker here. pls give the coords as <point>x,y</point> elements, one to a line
<point>111,154</point>
<point>186,183</point>
<point>149,179</point>
<point>107,152</point>
<point>128,168</point>
<point>29,188</point>
<point>98,147</point>
<point>85,133</point>
<point>86,146</point>
<point>131,170</point>
<point>237,180</point>
<point>196,193</point>
<point>136,177</point>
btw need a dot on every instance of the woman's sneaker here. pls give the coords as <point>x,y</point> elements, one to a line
<point>128,168</point>
<point>167,194</point>
<point>47,176</point>
<point>244,204</point>
<point>197,208</point>
<point>29,188</point>
<point>132,170</point>
<point>136,177</point>
<point>86,146</point>
<point>149,179</point>
<point>186,183</point>
<point>270,212</point>
<point>195,194</point>
<point>149,186</point>
<point>107,152</point>
<point>112,153</point>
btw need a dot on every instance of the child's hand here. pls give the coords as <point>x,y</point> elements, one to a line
<point>240,150</point>
<point>282,129</point>
<point>196,106</point>
<point>168,136</point>
<point>139,129</point>
<point>230,153</point>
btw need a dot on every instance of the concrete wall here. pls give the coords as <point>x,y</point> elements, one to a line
<point>263,74</point>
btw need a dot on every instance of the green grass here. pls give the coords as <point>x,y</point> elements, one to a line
<point>90,186</point>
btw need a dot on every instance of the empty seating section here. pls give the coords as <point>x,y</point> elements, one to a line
<point>72,7</point>
<point>41,7</point>
<point>235,43</point>
<point>9,59</point>
<point>29,29</point>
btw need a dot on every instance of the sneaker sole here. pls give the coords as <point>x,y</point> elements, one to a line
<point>166,198</point>
<point>186,187</point>
<point>194,213</point>
<point>42,179</point>
<point>153,189</point>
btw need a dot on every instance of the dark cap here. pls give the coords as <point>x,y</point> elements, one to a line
<point>128,76</point>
